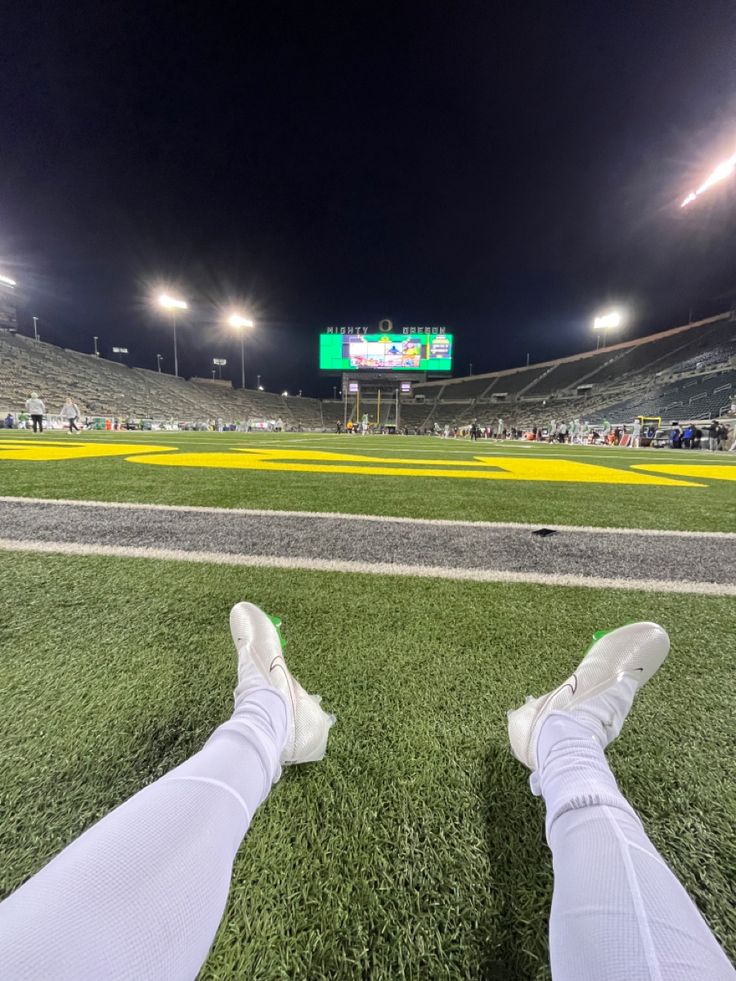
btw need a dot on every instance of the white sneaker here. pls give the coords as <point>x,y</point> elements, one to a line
<point>256,635</point>
<point>630,654</point>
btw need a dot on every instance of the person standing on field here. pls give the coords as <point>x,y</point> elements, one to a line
<point>635,434</point>
<point>713,435</point>
<point>36,410</point>
<point>70,413</point>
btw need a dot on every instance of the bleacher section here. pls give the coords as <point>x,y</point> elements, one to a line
<point>106,388</point>
<point>692,398</point>
<point>511,383</point>
<point>681,373</point>
<point>687,373</point>
<point>467,388</point>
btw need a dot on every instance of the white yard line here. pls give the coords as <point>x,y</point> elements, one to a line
<point>377,568</point>
<point>339,516</point>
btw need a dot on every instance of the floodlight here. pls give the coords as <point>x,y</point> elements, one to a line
<point>722,171</point>
<point>235,320</point>
<point>171,303</point>
<point>606,320</point>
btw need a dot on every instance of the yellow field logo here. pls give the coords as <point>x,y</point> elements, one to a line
<point>531,468</point>
<point>480,468</point>
<point>51,450</point>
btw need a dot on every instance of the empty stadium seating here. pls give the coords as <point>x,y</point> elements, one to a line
<point>106,388</point>
<point>685,373</point>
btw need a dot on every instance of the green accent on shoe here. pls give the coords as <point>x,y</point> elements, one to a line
<point>276,621</point>
<point>602,633</point>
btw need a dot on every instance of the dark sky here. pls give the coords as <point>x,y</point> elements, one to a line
<point>504,170</point>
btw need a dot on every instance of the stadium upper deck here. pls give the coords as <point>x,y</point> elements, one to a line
<point>688,371</point>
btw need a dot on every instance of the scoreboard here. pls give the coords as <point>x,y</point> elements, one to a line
<point>408,351</point>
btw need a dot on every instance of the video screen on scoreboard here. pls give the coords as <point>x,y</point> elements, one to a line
<point>385,352</point>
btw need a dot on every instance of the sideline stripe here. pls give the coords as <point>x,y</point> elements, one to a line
<point>394,519</point>
<point>370,568</point>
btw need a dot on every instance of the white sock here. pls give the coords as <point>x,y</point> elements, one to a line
<point>618,912</point>
<point>140,895</point>
<point>573,770</point>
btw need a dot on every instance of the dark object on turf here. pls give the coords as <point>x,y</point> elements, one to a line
<point>543,532</point>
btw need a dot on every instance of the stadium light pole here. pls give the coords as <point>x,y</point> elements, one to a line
<point>172,304</point>
<point>159,359</point>
<point>94,341</point>
<point>240,323</point>
<point>35,327</point>
<point>612,319</point>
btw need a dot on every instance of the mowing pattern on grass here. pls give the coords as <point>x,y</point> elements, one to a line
<point>709,505</point>
<point>369,545</point>
<point>414,850</point>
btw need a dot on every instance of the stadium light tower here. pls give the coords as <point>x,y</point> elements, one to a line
<point>240,323</point>
<point>606,321</point>
<point>172,304</point>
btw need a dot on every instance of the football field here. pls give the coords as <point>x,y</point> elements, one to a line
<point>419,601</point>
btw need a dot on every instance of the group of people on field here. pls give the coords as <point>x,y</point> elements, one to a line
<point>35,413</point>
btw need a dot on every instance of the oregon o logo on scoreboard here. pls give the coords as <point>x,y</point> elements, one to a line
<point>386,327</point>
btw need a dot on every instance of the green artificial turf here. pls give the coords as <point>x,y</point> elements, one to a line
<point>415,849</point>
<point>708,508</point>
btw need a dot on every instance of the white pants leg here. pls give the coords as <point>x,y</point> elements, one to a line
<point>140,895</point>
<point>618,912</point>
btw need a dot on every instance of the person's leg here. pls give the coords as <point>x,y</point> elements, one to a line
<point>139,896</point>
<point>618,912</point>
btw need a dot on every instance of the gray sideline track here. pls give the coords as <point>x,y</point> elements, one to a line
<point>591,553</point>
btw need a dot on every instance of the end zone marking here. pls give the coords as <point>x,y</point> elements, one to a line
<point>365,568</point>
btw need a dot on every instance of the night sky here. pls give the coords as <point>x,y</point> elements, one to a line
<point>506,171</point>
